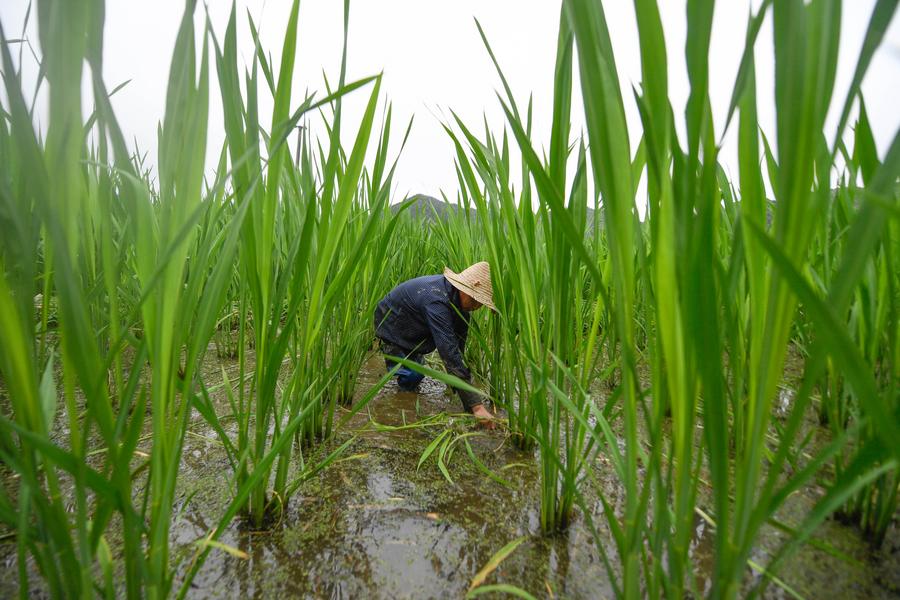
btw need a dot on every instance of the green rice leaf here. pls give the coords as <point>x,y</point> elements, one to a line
<point>500,588</point>
<point>495,561</point>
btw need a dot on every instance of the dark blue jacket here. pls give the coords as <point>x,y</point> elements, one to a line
<point>422,314</point>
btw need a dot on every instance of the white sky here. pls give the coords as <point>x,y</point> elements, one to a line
<point>433,60</point>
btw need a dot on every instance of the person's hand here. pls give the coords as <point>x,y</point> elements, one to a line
<point>485,418</point>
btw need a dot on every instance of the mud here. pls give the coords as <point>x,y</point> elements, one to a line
<point>374,526</point>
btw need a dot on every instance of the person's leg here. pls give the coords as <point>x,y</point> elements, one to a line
<point>407,379</point>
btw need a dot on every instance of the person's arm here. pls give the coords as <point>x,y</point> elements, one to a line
<point>440,322</point>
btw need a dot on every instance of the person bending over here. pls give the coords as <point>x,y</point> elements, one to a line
<point>432,312</point>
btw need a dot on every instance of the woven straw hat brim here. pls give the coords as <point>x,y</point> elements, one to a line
<point>460,283</point>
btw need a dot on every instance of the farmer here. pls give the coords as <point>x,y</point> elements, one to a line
<point>431,312</point>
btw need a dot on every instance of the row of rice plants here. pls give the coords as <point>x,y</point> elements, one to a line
<point>114,255</point>
<point>697,286</point>
<point>714,273</point>
<point>543,359</point>
<point>133,281</point>
<point>872,324</point>
<point>288,246</point>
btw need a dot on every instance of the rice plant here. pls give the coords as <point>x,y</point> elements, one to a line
<point>544,360</point>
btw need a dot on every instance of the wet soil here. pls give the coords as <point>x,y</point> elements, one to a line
<point>373,525</point>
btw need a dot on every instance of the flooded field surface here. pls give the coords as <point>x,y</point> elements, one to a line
<point>375,524</point>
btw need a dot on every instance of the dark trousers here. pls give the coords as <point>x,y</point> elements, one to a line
<point>407,379</point>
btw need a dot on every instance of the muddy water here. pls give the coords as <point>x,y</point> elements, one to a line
<point>375,526</point>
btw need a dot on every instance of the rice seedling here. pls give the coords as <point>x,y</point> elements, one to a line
<point>444,445</point>
<point>477,587</point>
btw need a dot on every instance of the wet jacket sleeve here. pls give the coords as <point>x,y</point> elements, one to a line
<point>440,321</point>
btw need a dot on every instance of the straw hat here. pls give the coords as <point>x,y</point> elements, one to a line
<point>474,281</point>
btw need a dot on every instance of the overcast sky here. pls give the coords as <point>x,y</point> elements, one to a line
<point>433,61</point>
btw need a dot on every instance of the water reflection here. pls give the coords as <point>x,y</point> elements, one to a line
<point>379,527</point>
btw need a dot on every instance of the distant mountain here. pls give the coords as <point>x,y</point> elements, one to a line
<point>428,207</point>
<point>431,208</point>
<point>590,215</point>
